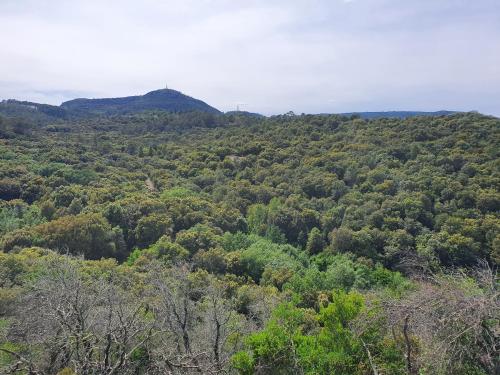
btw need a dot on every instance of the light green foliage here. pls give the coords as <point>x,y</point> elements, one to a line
<point>341,272</point>
<point>237,241</point>
<point>312,342</point>
<point>178,192</point>
<point>18,214</point>
<point>164,249</point>
<point>264,253</point>
<point>257,219</point>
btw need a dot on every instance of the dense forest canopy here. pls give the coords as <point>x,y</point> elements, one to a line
<point>181,243</point>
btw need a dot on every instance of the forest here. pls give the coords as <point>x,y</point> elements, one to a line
<point>207,243</point>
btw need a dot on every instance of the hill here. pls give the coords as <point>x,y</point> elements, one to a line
<point>245,114</point>
<point>397,114</point>
<point>34,111</point>
<point>158,100</point>
<point>164,99</point>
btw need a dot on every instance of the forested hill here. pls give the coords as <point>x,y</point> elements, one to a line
<point>165,99</point>
<point>191,243</point>
<point>35,112</point>
<point>159,100</point>
<point>397,114</point>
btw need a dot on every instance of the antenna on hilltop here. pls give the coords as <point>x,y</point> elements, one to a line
<point>166,86</point>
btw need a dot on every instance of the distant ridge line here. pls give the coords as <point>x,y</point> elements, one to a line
<point>398,114</point>
<point>167,100</point>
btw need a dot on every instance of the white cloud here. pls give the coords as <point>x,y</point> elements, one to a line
<point>273,55</point>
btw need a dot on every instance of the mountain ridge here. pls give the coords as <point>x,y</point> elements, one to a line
<point>397,114</point>
<point>163,99</point>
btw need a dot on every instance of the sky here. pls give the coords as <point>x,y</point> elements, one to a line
<point>267,56</point>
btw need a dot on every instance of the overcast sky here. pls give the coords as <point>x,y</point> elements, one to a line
<point>269,56</point>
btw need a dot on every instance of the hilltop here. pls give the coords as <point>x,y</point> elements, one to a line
<point>158,100</point>
<point>164,99</point>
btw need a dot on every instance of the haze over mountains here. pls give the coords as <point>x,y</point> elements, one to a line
<point>163,100</point>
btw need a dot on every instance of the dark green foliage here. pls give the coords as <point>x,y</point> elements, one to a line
<point>9,189</point>
<point>168,100</point>
<point>386,189</point>
<point>150,228</point>
<point>315,242</point>
<point>275,211</point>
<point>396,114</point>
<point>34,111</point>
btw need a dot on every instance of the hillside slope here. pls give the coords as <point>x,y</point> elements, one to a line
<point>35,111</point>
<point>165,99</point>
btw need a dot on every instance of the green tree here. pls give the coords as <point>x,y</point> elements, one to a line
<point>299,340</point>
<point>150,228</point>
<point>88,234</point>
<point>315,241</point>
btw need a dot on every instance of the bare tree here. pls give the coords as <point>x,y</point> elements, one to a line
<point>196,320</point>
<point>92,326</point>
<point>222,324</point>
<point>178,322</point>
<point>450,320</point>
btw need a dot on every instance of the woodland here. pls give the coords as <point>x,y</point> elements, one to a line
<point>206,243</point>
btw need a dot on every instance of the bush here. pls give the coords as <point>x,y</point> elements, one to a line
<point>89,235</point>
<point>9,189</point>
<point>198,238</point>
<point>150,228</point>
<point>164,250</point>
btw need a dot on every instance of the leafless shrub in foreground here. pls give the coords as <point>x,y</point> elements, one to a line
<point>449,321</point>
<point>201,329</point>
<point>177,322</point>
<point>90,325</point>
